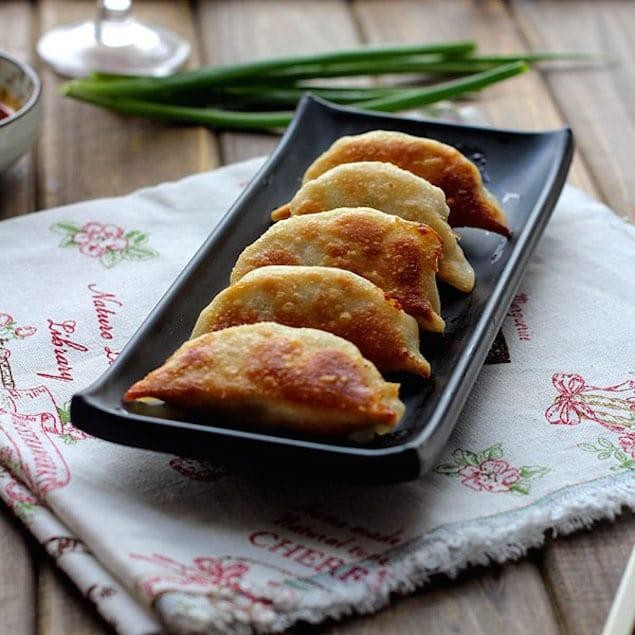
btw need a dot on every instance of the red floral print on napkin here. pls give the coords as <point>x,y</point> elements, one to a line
<point>613,406</point>
<point>627,443</point>
<point>488,471</point>
<point>109,243</point>
<point>9,330</point>
<point>492,476</point>
<point>95,239</point>
<point>17,496</point>
<point>205,574</point>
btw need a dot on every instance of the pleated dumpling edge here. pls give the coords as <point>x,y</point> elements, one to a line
<point>270,375</point>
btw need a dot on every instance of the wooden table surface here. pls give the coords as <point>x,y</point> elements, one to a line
<point>83,152</point>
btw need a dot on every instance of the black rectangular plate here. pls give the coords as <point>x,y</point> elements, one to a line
<point>526,171</point>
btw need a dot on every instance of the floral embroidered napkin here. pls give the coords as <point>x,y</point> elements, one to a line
<point>546,440</point>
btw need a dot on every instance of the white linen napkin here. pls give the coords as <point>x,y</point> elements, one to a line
<point>546,441</point>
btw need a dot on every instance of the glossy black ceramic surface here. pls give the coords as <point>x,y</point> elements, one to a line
<point>526,171</point>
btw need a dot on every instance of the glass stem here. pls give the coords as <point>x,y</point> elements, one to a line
<point>111,12</point>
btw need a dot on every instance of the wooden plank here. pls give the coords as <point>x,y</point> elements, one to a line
<point>582,607</point>
<point>17,576</point>
<point>62,610</point>
<point>17,184</point>
<point>597,102</point>
<point>583,572</point>
<point>234,39</point>
<point>481,602</point>
<point>253,29</point>
<point>456,596</point>
<point>474,606</point>
<point>521,102</point>
<point>88,152</point>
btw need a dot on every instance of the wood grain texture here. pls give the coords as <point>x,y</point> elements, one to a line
<point>17,576</point>
<point>583,572</point>
<point>521,102</point>
<point>87,152</point>
<point>253,29</point>
<point>525,102</point>
<point>17,184</point>
<point>597,102</point>
<point>505,599</point>
<point>476,607</point>
<point>62,610</point>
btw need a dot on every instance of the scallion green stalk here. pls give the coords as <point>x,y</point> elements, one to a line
<point>414,64</point>
<point>218,75</point>
<point>384,67</point>
<point>211,117</point>
<point>288,96</point>
<point>217,118</point>
<point>414,97</point>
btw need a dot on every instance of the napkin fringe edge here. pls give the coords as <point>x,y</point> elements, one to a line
<point>446,551</point>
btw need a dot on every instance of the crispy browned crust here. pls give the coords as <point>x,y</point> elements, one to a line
<point>388,188</point>
<point>324,298</point>
<point>302,379</point>
<point>440,164</point>
<point>400,257</point>
<point>282,212</point>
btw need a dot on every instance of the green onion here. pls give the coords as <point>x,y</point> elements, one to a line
<point>545,56</point>
<point>411,98</point>
<point>218,75</point>
<point>414,64</point>
<point>353,69</point>
<point>387,67</point>
<point>214,117</point>
<point>260,95</point>
<point>283,96</point>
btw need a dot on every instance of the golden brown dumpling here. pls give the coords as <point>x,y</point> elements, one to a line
<point>325,298</point>
<point>398,256</point>
<point>471,205</point>
<point>267,374</point>
<point>390,189</point>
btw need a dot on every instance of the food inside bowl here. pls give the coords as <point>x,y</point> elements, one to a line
<point>8,104</point>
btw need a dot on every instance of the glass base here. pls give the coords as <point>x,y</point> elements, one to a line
<point>125,47</point>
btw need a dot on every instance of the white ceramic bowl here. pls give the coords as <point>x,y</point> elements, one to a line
<point>20,88</point>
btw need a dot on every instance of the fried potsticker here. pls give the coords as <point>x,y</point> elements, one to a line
<point>324,298</point>
<point>270,375</point>
<point>398,256</point>
<point>386,187</point>
<point>471,205</point>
